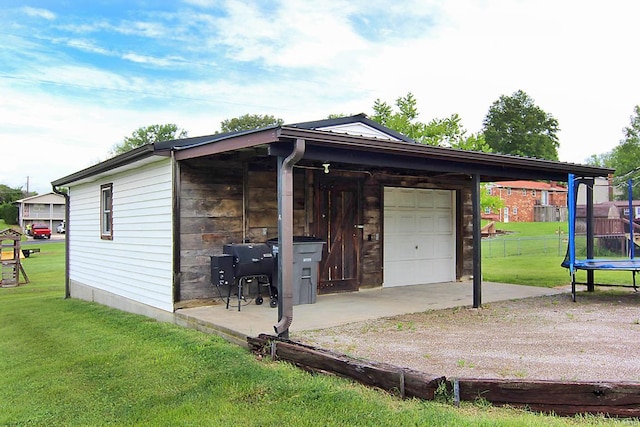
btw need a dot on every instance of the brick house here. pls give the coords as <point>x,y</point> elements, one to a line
<point>529,201</point>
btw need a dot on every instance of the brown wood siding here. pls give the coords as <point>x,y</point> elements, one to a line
<point>213,196</point>
<point>214,193</point>
<point>210,216</point>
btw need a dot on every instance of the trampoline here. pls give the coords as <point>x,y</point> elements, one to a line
<point>590,264</point>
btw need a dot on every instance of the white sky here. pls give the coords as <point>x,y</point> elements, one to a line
<point>76,77</point>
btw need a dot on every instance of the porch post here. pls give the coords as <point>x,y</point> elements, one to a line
<point>477,242</point>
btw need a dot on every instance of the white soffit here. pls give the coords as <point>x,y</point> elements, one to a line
<point>358,129</point>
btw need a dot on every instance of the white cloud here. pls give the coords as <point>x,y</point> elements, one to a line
<point>39,13</point>
<point>304,60</point>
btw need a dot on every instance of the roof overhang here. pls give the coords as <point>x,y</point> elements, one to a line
<point>129,160</point>
<point>364,152</point>
<point>396,154</point>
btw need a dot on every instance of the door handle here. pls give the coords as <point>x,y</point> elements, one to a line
<point>361,227</point>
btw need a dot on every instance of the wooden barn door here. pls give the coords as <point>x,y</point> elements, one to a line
<point>339,213</point>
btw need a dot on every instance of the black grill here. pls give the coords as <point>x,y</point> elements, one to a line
<point>250,259</point>
<point>242,265</point>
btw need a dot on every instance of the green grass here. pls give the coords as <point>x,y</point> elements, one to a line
<point>74,363</point>
<point>530,229</point>
<point>531,254</point>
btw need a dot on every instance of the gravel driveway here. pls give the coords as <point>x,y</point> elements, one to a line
<point>596,338</point>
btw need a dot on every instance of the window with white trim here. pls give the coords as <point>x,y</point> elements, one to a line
<point>515,211</point>
<point>524,191</point>
<point>106,211</point>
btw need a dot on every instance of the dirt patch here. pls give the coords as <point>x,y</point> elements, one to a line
<point>594,339</point>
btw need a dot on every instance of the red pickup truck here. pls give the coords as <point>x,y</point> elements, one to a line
<point>40,231</point>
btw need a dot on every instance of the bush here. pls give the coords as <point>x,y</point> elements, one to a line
<point>9,213</point>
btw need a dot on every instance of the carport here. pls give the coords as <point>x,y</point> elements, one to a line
<point>347,167</point>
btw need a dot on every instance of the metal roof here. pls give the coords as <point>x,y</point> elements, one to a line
<point>323,145</point>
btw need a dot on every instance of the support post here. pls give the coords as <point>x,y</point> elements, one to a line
<point>477,242</point>
<point>590,273</point>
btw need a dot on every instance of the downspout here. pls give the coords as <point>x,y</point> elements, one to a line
<point>285,238</point>
<point>67,290</point>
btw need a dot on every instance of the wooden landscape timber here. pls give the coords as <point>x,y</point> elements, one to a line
<point>619,399</point>
<point>615,399</point>
<point>400,381</point>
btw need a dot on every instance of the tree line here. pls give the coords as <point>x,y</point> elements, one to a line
<point>8,209</point>
<point>513,125</point>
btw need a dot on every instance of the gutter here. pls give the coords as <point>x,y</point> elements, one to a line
<point>67,290</point>
<point>285,237</point>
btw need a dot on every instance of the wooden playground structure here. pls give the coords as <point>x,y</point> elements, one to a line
<point>11,256</point>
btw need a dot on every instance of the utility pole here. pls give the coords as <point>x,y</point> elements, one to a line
<point>27,185</point>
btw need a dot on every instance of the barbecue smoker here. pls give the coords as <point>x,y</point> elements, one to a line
<point>243,265</point>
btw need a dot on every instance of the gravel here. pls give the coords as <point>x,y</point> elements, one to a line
<point>549,338</point>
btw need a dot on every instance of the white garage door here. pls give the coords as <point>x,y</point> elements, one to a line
<point>419,236</point>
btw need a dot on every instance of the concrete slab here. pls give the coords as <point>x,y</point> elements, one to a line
<point>339,309</point>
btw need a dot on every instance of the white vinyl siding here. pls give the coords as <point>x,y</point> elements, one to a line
<point>137,262</point>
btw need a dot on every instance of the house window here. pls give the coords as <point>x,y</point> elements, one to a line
<point>544,198</point>
<point>508,191</point>
<point>487,210</point>
<point>106,211</point>
<point>637,211</point>
<point>488,191</point>
<point>524,191</point>
<point>515,211</point>
<point>533,193</point>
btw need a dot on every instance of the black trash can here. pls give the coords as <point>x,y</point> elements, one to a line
<point>307,254</point>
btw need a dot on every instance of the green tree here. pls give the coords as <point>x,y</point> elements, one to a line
<point>148,135</point>
<point>446,132</point>
<point>249,122</point>
<point>625,157</point>
<point>10,195</point>
<point>494,203</point>
<point>9,213</point>
<point>515,125</point>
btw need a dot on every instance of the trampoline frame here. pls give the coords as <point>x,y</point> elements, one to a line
<point>589,264</point>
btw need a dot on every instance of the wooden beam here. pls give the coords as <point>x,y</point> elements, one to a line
<point>401,381</point>
<point>563,398</point>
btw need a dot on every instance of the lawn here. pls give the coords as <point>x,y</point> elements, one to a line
<point>531,254</point>
<point>74,363</point>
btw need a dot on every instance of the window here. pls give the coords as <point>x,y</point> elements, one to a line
<point>515,211</point>
<point>488,191</point>
<point>544,198</point>
<point>508,191</point>
<point>524,191</point>
<point>533,193</point>
<point>487,210</point>
<point>106,211</point>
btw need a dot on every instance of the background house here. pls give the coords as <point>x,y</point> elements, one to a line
<point>530,201</point>
<point>46,209</point>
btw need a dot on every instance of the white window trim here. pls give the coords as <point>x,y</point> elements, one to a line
<point>106,211</point>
